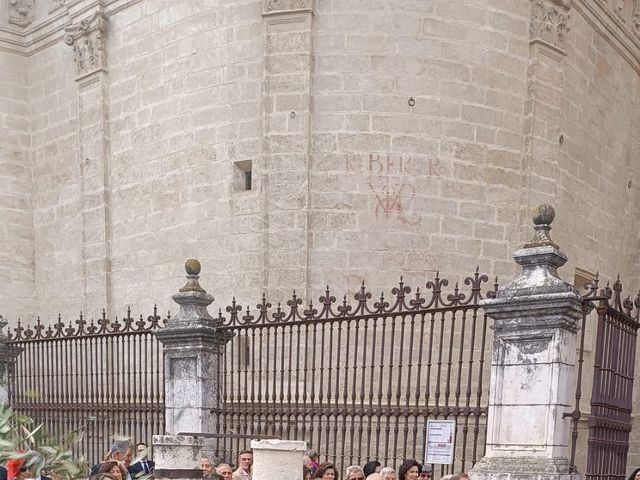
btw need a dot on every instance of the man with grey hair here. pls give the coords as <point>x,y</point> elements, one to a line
<point>121,451</point>
<point>388,473</point>
<point>354,472</point>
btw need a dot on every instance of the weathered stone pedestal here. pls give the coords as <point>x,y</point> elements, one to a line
<point>177,456</point>
<point>277,459</point>
<point>191,346</point>
<point>535,322</point>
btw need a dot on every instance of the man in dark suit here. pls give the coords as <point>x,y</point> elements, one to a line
<point>143,466</point>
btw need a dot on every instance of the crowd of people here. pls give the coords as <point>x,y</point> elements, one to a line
<point>314,470</point>
<point>119,464</point>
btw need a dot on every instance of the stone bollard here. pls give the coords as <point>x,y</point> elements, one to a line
<point>191,347</point>
<point>535,322</point>
<point>277,459</point>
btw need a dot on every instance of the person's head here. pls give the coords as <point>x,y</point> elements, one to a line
<point>224,470</point>
<point>375,476</point>
<point>409,470</point>
<point>388,473</point>
<point>121,451</point>
<point>245,460</point>
<point>313,455</point>
<point>141,450</point>
<point>205,465</point>
<point>635,475</point>
<point>327,471</point>
<point>113,469</point>
<point>371,467</point>
<point>425,471</point>
<point>354,472</point>
<point>465,476</point>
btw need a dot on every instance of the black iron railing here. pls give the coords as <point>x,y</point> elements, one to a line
<point>359,381</point>
<point>609,422</point>
<point>103,377</point>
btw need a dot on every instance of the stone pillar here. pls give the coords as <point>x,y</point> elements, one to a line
<point>548,28</point>
<point>87,37</point>
<point>5,363</point>
<point>287,121</point>
<point>191,348</point>
<point>278,459</point>
<point>536,317</point>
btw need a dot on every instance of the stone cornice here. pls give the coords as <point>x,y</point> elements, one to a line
<point>620,27</point>
<point>51,30</point>
<point>617,27</point>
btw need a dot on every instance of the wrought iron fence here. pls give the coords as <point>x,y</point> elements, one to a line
<point>104,377</point>
<point>609,422</point>
<point>359,381</point>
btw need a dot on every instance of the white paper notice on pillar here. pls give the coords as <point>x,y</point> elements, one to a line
<point>441,441</point>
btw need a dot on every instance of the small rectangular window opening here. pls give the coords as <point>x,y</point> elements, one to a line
<point>242,176</point>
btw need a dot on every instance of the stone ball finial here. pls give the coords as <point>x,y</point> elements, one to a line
<point>544,214</point>
<point>192,266</point>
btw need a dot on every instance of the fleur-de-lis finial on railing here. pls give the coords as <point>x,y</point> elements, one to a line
<point>364,305</point>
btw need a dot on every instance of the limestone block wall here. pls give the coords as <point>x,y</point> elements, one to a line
<point>16,189</point>
<point>185,99</point>
<point>596,185</point>
<point>417,139</point>
<point>55,168</point>
<point>383,138</point>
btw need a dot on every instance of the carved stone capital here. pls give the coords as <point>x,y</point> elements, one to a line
<point>277,6</point>
<point>549,21</point>
<point>21,12</point>
<point>88,39</point>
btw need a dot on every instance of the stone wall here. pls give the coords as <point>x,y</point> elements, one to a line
<point>16,226</point>
<point>185,99</point>
<point>56,172</point>
<point>383,138</point>
<point>597,179</point>
<point>418,117</point>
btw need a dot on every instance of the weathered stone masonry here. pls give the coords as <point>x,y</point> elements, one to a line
<point>383,137</point>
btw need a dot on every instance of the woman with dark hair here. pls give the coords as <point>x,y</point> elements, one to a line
<point>373,466</point>
<point>635,475</point>
<point>409,470</point>
<point>112,469</point>
<point>326,471</point>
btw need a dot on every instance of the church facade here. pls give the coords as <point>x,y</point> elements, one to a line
<point>290,144</point>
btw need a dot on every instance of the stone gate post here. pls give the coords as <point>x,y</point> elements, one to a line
<point>5,363</point>
<point>535,321</point>
<point>191,347</point>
